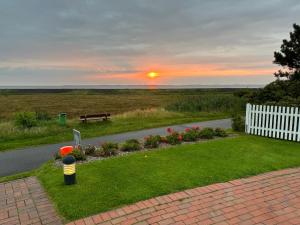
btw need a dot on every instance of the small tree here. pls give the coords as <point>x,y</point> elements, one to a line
<point>289,56</point>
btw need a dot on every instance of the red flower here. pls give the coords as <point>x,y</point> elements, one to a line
<point>196,128</point>
<point>169,130</point>
<point>180,137</point>
<point>187,129</point>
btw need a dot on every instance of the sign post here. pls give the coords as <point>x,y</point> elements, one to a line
<point>77,137</point>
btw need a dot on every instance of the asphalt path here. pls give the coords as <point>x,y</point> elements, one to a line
<point>22,160</point>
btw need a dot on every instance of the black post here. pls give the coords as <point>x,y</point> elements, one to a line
<point>69,170</point>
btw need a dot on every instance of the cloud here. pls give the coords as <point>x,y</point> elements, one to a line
<point>135,35</point>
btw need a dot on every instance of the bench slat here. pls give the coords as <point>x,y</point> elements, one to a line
<point>94,117</point>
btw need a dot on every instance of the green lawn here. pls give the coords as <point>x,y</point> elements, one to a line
<point>111,183</point>
<point>12,137</point>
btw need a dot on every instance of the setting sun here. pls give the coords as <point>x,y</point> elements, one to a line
<point>152,74</point>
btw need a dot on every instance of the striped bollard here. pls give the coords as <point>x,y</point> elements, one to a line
<point>69,170</point>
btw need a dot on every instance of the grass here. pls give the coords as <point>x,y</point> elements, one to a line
<point>17,176</point>
<point>12,137</point>
<point>80,102</point>
<point>213,102</point>
<point>107,184</point>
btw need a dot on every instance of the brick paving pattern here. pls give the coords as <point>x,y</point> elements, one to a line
<point>24,202</point>
<point>271,198</point>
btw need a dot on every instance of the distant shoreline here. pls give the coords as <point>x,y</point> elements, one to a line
<point>116,87</point>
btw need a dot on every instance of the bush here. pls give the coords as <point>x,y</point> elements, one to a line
<point>220,132</point>
<point>209,103</point>
<point>206,133</point>
<point>238,123</point>
<point>190,134</point>
<point>98,153</point>
<point>25,119</point>
<point>78,154</point>
<point>174,138</point>
<point>42,115</point>
<point>131,145</point>
<point>89,150</point>
<point>152,141</point>
<point>57,155</point>
<point>109,149</point>
<point>279,92</point>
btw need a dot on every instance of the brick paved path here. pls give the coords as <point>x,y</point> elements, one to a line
<point>271,198</point>
<point>24,202</point>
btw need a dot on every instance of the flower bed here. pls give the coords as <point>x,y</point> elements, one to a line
<point>109,149</point>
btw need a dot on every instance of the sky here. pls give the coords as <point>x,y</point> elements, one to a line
<point>99,42</point>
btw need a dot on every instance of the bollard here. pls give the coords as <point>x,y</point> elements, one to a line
<point>69,170</point>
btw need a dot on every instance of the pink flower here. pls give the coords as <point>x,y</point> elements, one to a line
<point>180,137</point>
<point>169,130</point>
<point>196,128</point>
<point>187,129</point>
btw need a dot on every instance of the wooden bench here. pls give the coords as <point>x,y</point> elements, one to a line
<point>102,116</point>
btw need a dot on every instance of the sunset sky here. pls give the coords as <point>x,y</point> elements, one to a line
<point>61,42</point>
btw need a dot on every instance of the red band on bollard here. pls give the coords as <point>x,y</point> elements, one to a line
<point>66,150</point>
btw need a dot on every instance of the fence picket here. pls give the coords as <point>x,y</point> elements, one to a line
<point>273,121</point>
<point>282,122</point>
<point>252,119</point>
<point>295,124</point>
<point>248,117</point>
<point>259,120</point>
<point>286,123</point>
<point>267,121</point>
<point>275,130</point>
<point>298,130</point>
<point>263,127</point>
<point>279,122</point>
<point>291,123</point>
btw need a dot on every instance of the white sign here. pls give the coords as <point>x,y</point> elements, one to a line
<point>77,137</point>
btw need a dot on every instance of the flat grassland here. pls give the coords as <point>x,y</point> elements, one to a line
<point>130,109</point>
<point>107,184</point>
<point>80,102</point>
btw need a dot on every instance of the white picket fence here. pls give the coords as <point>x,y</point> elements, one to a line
<point>273,121</point>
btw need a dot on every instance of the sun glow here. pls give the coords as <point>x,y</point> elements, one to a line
<point>152,75</point>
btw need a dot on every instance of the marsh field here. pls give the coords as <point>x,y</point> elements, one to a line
<point>130,109</point>
<point>78,102</point>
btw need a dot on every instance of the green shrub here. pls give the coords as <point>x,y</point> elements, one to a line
<point>25,119</point>
<point>238,123</point>
<point>220,132</point>
<point>190,135</point>
<point>89,150</point>
<point>109,149</point>
<point>209,103</point>
<point>57,155</point>
<point>131,145</point>
<point>42,115</point>
<point>206,133</point>
<point>174,138</point>
<point>152,141</point>
<point>98,153</point>
<point>78,154</point>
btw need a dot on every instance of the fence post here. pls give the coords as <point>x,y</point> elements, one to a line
<point>298,132</point>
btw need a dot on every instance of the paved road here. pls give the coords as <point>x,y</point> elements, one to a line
<point>12,162</point>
